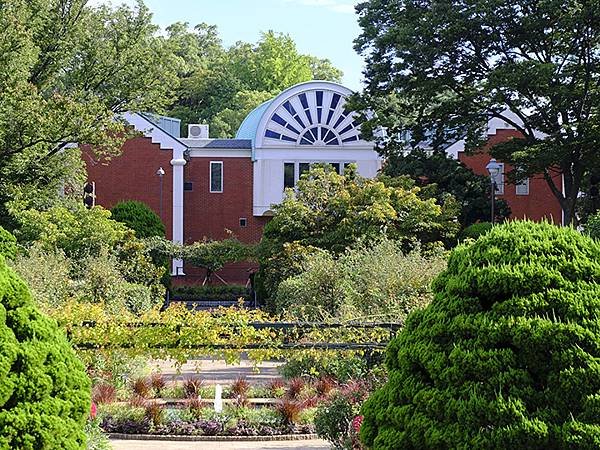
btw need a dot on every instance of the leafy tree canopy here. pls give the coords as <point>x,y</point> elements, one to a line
<point>332,211</point>
<point>221,85</point>
<point>442,69</point>
<point>449,176</point>
<point>208,254</point>
<point>66,69</point>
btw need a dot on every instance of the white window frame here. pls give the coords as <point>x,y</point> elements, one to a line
<point>210,181</point>
<point>522,188</point>
<point>499,180</point>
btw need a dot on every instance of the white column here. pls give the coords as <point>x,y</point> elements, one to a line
<point>178,162</point>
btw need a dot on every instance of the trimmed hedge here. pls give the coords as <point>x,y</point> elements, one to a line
<point>506,356</point>
<point>139,217</point>
<point>209,292</point>
<point>44,389</point>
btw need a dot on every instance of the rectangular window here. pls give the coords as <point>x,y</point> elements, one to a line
<point>303,168</point>
<point>243,222</point>
<point>336,167</point>
<point>289,175</point>
<point>216,176</point>
<point>499,180</point>
<point>188,186</point>
<point>522,188</point>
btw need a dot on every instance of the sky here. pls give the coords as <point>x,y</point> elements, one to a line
<point>323,28</point>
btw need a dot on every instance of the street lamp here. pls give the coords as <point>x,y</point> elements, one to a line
<point>161,173</point>
<point>493,168</point>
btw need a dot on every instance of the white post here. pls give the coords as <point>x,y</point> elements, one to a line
<point>218,398</point>
<point>178,162</point>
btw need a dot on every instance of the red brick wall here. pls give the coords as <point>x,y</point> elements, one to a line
<point>132,176</point>
<point>539,204</point>
<point>210,215</point>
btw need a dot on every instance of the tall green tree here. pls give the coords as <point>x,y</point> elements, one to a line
<point>66,71</point>
<point>221,85</point>
<point>443,68</point>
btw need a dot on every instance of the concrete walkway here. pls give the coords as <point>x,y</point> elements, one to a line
<point>312,444</point>
<point>217,371</point>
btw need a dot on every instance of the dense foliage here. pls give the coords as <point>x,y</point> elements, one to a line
<point>139,217</point>
<point>44,390</point>
<point>83,254</point>
<point>331,212</point>
<point>475,230</point>
<point>592,226</point>
<point>379,281</point>
<point>66,69</point>
<point>438,71</point>
<point>506,355</point>
<point>447,175</point>
<point>8,244</point>
<point>220,85</point>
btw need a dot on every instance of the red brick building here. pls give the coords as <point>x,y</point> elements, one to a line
<point>530,199</point>
<point>212,188</point>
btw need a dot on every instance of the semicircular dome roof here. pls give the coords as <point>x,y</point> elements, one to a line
<point>307,114</point>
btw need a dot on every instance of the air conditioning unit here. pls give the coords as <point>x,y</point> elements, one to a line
<point>197,131</point>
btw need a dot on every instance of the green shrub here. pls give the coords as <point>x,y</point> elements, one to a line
<point>96,439</point>
<point>475,230</point>
<point>334,418</point>
<point>592,226</point>
<point>8,244</point>
<point>339,367</point>
<point>139,217</point>
<point>55,279</point>
<point>506,356</point>
<point>379,281</point>
<point>44,390</point>
<point>47,273</point>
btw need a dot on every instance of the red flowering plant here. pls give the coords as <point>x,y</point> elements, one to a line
<point>338,421</point>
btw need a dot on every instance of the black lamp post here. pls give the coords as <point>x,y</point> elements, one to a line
<point>493,167</point>
<point>161,173</point>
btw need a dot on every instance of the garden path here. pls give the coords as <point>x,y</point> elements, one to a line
<point>215,371</point>
<point>312,444</point>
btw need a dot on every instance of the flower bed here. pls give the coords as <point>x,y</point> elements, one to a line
<point>153,419</point>
<point>154,407</point>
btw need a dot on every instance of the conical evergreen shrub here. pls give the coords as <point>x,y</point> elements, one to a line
<point>507,356</point>
<point>44,390</point>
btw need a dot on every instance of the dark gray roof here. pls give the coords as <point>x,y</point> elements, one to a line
<point>230,143</point>
<point>237,144</point>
